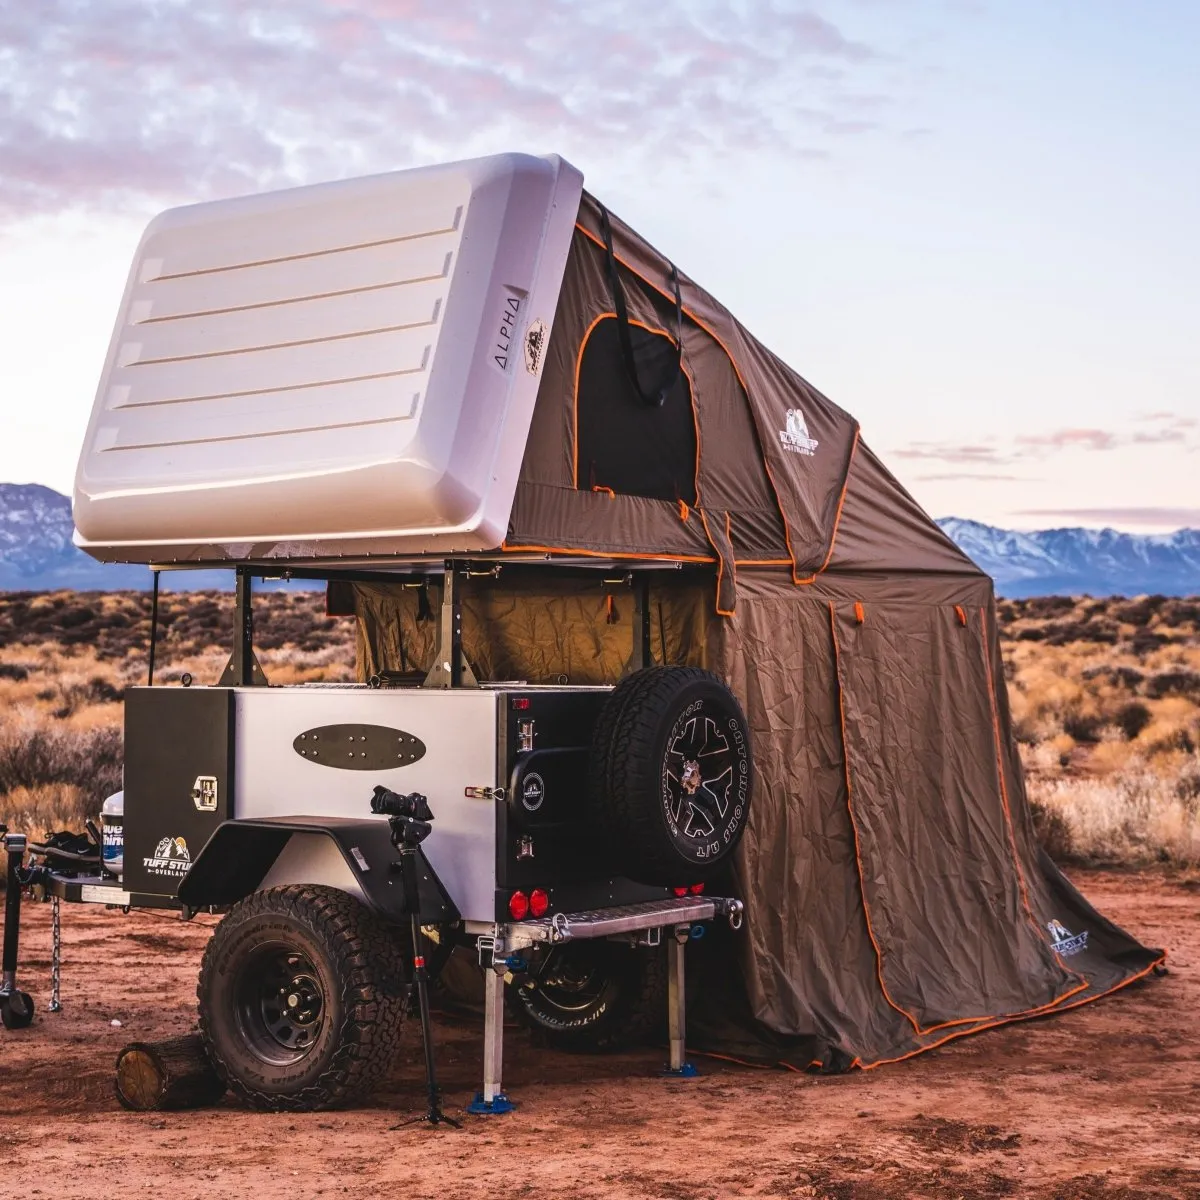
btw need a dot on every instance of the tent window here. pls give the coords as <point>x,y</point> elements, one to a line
<point>623,443</point>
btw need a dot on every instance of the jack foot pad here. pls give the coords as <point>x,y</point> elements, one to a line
<point>687,1071</point>
<point>498,1104</point>
<point>16,1010</point>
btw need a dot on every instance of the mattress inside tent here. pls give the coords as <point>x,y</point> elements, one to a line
<point>342,369</point>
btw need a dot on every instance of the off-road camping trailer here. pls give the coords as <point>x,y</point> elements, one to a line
<point>641,621</point>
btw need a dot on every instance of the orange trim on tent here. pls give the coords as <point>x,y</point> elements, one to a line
<point>860,614</point>
<point>599,488</point>
<point>962,615</point>
<point>683,510</point>
<point>990,1020</point>
<point>572,550</point>
<point>575,411</point>
<point>721,612</point>
<point>604,316</point>
<point>854,829</point>
<point>1025,1016</point>
<point>837,519</point>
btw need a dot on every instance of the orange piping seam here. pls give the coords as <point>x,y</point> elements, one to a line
<point>696,558</point>
<point>575,407</point>
<point>854,829</point>
<point>720,564</point>
<point>1025,1016</point>
<point>860,614</point>
<point>837,518</point>
<point>866,909</point>
<point>962,615</point>
<point>575,427</point>
<point>1008,821</point>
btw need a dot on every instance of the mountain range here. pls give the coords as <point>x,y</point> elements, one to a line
<point>37,554</point>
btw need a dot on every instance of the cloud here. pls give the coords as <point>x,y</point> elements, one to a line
<point>955,476</point>
<point>991,451</point>
<point>953,452</point>
<point>1070,439</point>
<point>148,102</point>
<point>1169,517</point>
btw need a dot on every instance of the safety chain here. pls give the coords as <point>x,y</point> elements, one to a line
<point>55,954</point>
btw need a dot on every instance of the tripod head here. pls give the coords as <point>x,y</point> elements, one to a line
<point>408,815</point>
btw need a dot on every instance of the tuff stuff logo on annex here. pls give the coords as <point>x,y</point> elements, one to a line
<point>1063,941</point>
<point>171,857</point>
<point>795,437</point>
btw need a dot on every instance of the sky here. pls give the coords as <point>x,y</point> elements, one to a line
<point>970,223</point>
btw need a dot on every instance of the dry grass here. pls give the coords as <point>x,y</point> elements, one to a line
<point>66,659</point>
<point>1105,698</point>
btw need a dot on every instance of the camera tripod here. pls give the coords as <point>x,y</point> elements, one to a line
<point>409,817</point>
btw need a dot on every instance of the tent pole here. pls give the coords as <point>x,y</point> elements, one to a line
<point>153,628</point>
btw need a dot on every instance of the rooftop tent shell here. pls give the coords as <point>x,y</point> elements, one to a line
<point>896,896</point>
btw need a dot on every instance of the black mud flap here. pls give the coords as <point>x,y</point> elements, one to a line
<point>241,852</point>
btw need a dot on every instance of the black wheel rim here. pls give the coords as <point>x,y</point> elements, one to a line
<point>279,1004</point>
<point>700,775</point>
<point>570,982</point>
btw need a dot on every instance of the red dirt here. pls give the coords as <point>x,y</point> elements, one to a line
<point>1101,1103</point>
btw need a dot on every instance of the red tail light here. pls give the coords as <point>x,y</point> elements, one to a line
<point>680,891</point>
<point>518,906</point>
<point>538,902</point>
<point>696,889</point>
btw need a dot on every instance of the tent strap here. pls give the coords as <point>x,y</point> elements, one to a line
<point>656,396</point>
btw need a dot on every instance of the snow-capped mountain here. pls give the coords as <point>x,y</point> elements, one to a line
<point>1099,562</point>
<point>37,554</point>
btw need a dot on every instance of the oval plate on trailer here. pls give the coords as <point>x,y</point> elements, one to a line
<point>359,747</point>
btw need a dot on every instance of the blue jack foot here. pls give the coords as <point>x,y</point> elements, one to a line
<point>498,1104</point>
<point>687,1071</point>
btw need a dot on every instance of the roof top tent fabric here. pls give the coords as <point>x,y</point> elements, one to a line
<point>896,897</point>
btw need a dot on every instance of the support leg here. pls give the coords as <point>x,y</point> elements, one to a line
<point>492,1099</point>
<point>16,1008</point>
<point>677,1006</point>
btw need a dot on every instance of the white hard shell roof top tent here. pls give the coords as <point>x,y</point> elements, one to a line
<point>337,371</point>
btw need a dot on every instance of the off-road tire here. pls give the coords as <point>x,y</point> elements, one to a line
<point>623,1004</point>
<point>355,962</point>
<point>658,833</point>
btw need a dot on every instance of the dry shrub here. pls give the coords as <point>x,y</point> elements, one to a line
<point>1132,819</point>
<point>47,809</point>
<point>35,754</point>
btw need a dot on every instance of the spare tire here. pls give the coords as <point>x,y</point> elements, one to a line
<point>671,775</point>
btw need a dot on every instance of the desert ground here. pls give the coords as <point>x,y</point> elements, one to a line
<point>1102,1103</point>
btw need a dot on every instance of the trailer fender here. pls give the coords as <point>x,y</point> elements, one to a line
<point>356,856</point>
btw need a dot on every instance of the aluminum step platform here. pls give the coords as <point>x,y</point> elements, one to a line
<point>625,918</point>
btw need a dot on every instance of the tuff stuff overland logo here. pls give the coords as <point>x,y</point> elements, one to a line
<point>795,437</point>
<point>171,857</point>
<point>1063,941</point>
<point>533,792</point>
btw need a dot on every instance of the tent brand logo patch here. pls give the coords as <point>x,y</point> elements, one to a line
<point>795,437</point>
<point>535,346</point>
<point>1065,942</point>
<point>171,857</point>
<point>533,792</point>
